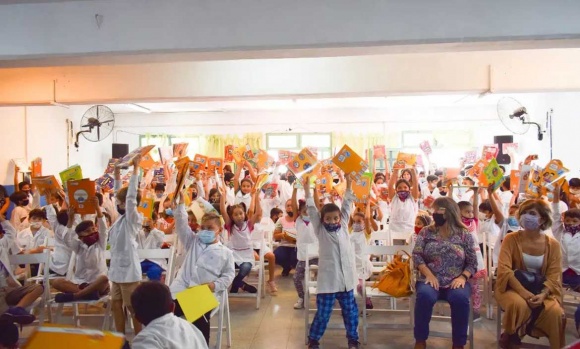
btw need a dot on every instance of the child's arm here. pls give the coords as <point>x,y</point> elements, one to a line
<point>254,211</point>
<point>101,224</point>
<point>415,186</point>
<point>311,206</point>
<point>557,227</point>
<point>132,214</point>
<point>370,223</point>
<point>347,201</point>
<point>51,217</point>
<point>236,179</point>
<point>475,202</point>
<point>16,179</point>
<point>392,182</point>
<point>258,210</point>
<point>252,171</point>
<point>9,233</point>
<point>317,200</point>
<point>223,208</point>
<point>184,232</point>
<point>36,199</point>
<point>295,203</point>
<point>6,206</point>
<point>379,213</point>
<point>70,241</point>
<point>499,218</point>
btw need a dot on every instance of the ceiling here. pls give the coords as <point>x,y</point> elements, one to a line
<point>14,2</point>
<point>451,100</point>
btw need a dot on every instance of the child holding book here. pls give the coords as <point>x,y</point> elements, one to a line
<point>336,271</point>
<point>285,232</point>
<point>150,238</point>
<point>207,261</point>
<point>404,208</point>
<point>239,227</point>
<point>243,187</point>
<point>89,242</point>
<point>60,258</point>
<point>125,270</point>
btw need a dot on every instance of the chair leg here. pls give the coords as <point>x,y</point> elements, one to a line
<point>76,318</point>
<point>107,318</point>
<point>220,326</point>
<point>58,313</point>
<point>228,322</point>
<point>364,316</point>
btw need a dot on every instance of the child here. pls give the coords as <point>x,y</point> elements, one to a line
<point>154,308</point>
<point>422,220</point>
<point>469,213</point>
<point>90,280</point>
<point>501,225</point>
<point>305,238</point>
<point>19,217</point>
<point>362,226</point>
<point>207,261</point>
<point>239,227</point>
<point>403,205</point>
<point>567,234</point>
<point>336,276</point>
<point>285,232</point>
<point>125,270</point>
<point>33,239</point>
<point>16,297</point>
<point>243,188</point>
<point>150,238</point>
<point>60,259</point>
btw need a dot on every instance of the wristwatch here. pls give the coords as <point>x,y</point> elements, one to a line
<point>464,276</point>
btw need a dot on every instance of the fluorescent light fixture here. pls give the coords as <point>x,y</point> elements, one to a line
<point>140,108</point>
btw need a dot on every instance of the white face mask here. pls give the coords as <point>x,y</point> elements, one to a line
<point>482,216</point>
<point>36,225</point>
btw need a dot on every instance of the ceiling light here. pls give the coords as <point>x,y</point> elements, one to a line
<point>140,108</point>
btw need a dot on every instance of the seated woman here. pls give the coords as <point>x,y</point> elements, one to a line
<point>531,250</point>
<point>444,253</point>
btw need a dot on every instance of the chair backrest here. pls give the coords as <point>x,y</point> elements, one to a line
<point>386,250</point>
<point>42,259</point>
<point>382,235</point>
<point>169,238</point>
<point>155,253</point>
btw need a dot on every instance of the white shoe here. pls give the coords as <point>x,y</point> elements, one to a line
<point>299,304</point>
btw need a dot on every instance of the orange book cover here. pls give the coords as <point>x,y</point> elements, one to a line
<point>195,168</point>
<point>303,162</point>
<point>79,193</point>
<point>214,164</point>
<point>146,204</point>
<point>324,183</point>
<point>350,162</point>
<point>202,159</point>
<point>44,183</point>
<point>182,172</point>
<point>142,151</point>
<point>489,152</point>
<point>405,160</point>
<point>285,156</point>
<point>147,162</point>
<point>362,187</point>
<point>263,160</point>
<point>450,174</point>
<point>379,152</point>
<point>514,180</point>
<point>180,150</point>
<point>229,153</point>
<point>36,167</point>
<point>534,185</point>
<point>476,172</point>
<point>57,337</point>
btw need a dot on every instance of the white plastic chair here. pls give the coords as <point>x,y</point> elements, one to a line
<point>488,245</point>
<point>224,321</point>
<point>168,253</point>
<point>256,279</point>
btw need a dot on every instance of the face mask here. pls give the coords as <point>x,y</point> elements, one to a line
<point>290,214</point>
<point>482,217</point>
<point>358,227</point>
<point>120,210</point>
<point>439,219</point>
<point>403,195</point>
<point>194,196</point>
<point>530,222</point>
<point>206,236</point>
<point>36,225</point>
<point>90,239</point>
<point>572,229</point>
<point>442,193</point>
<point>159,196</point>
<point>169,212</point>
<point>291,179</point>
<point>469,223</point>
<point>306,219</point>
<point>25,202</point>
<point>575,192</point>
<point>418,229</point>
<point>513,221</point>
<point>332,227</point>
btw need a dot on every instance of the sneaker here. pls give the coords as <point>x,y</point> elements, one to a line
<point>476,317</point>
<point>369,304</point>
<point>272,287</point>
<point>312,344</point>
<point>353,344</point>
<point>249,288</point>
<point>64,297</point>
<point>18,315</point>
<point>91,297</point>
<point>299,304</point>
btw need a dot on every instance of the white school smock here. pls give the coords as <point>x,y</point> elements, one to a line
<point>403,214</point>
<point>363,264</point>
<point>336,264</point>
<point>26,240</point>
<point>203,263</point>
<point>90,260</point>
<point>239,240</point>
<point>570,244</point>
<point>243,198</point>
<point>6,243</point>
<point>152,241</point>
<point>125,266</point>
<point>169,332</point>
<point>60,258</point>
<point>305,236</point>
<point>19,218</point>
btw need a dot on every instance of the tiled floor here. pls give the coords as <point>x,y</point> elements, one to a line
<point>277,325</point>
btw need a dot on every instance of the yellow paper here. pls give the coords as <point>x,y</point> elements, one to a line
<point>54,337</point>
<point>196,301</point>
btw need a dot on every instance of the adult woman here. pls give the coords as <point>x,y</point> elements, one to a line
<point>531,250</point>
<point>444,253</point>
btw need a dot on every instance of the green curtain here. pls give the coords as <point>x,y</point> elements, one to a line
<point>213,145</point>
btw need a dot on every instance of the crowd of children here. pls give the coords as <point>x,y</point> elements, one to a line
<point>219,219</point>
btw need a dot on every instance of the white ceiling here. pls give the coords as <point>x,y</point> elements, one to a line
<point>459,100</point>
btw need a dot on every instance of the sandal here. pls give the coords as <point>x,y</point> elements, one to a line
<point>272,287</point>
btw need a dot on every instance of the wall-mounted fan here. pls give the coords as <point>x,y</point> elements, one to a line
<point>96,124</point>
<point>514,116</point>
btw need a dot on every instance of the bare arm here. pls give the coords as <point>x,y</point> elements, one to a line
<point>499,218</point>
<point>252,171</point>
<point>295,203</point>
<point>392,182</point>
<point>236,179</point>
<point>223,208</point>
<point>415,186</point>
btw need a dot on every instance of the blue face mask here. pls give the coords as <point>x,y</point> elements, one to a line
<point>169,212</point>
<point>332,227</point>
<point>306,219</point>
<point>513,221</point>
<point>206,236</point>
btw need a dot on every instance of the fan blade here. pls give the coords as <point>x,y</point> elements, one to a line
<point>105,122</point>
<point>98,132</point>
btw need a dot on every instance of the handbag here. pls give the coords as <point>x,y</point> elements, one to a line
<point>531,281</point>
<point>395,279</point>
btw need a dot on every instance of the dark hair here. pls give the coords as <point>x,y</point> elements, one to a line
<point>438,173</point>
<point>543,209</point>
<point>100,198</point>
<point>451,213</point>
<point>22,184</point>
<point>213,191</point>
<point>409,172</point>
<point>574,182</point>
<point>151,300</point>
<point>379,176</point>
<point>431,178</point>
<point>62,217</point>
<point>485,206</point>
<point>275,211</point>
<point>122,195</point>
<point>440,184</point>
<point>8,335</point>
<point>241,205</point>
<point>426,219</point>
<point>301,205</point>
<point>572,213</point>
<point>328,208</point>
<point>464,204</point>
<point>84,225</point>
<point>227,169</point>
<point>506,183</point>
<point>502,168</point>
<point>37,213</point>
<point>228,176</point>
<point>18,196</point>
<point>469,179</point>
<point>246,180</point>
<point>402,181</point>
<point>159,187</point>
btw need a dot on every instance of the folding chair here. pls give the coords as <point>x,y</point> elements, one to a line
<point>388,252</point>
<point>42,259</point>
<point>224,321</point>
<point>488,245</point>
<point>257,281</point>
<point>106,300</point>
<point>168,253</point>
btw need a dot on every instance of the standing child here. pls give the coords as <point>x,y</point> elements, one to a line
<point>362,226</point>
<point>239,227</point>
<point>336,270</point>
<point>150,238</point>
<point>125,271</point>
<point>404,207</point>
<point>207,261</point>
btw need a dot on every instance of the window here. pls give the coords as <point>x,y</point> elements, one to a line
<point>169,140</point>
<point>297,141</point>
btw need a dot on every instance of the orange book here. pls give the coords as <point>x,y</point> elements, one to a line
<point>270,190</point>
<point>127,159</point>
<point>202,159</point>
<point>46,183</point>
<point>57,337</point>
<point>350,162</point>
<point>362,187</point>
<point>229,153</point>
<point>182,172</point>
<point>180,150</point>
<point>79,193</point>
<point>450,174</point>
<point>303,162</point>
<point>263,160</point>
<point>489,152</point>
<point>146,205</point>
<point>285,156</point>
<point>147,162</point>
<point>324,183</point>
<point>476,172</point>
<point>214,164</point>
<point>195,168</point>
<point>36,167</point>
<point>405,160</point>
<point>514,180</point>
